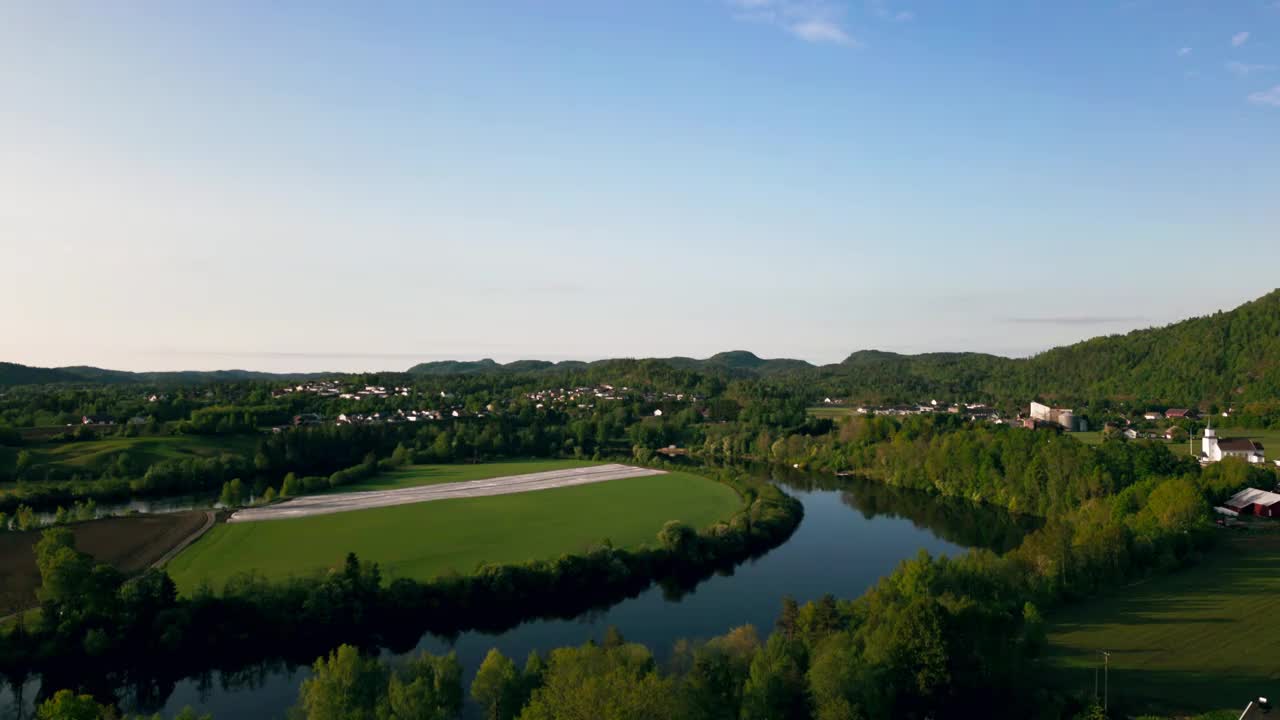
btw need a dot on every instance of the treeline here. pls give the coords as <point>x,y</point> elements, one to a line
<point>319,451</point>
<point>1032,473</point>
<point>94,623</point>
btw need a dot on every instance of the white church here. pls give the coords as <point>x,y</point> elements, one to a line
<point>1214,449</point>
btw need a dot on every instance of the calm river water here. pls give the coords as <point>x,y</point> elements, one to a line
<point>853,533</point>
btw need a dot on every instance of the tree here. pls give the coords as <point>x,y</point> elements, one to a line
<point>269,496</point>
<point>64,571</point>
<point>290,488</point>
<point>66,705</point>
<point>25,519</point>
<point>232,493</point>
<point>343,686</point>
<point>1177,505</point>
<point>595,682</point>
<point>788,618</point>
<point>400,456</point>
<point>775,683</point>
<point>23,463</point>
<point>497,686</point>
<point>428,688</point>
<point>713,685</point>
<point>839,681</point>
<point>677,537</point>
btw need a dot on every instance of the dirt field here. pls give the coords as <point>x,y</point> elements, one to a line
<point>130,543</point>
<point>344,502</point>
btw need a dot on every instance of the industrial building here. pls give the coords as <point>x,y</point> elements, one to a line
<point>1063,417</point>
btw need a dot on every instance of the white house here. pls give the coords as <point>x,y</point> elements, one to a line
<point>1214,449</point>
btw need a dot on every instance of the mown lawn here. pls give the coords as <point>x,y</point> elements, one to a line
<point>416,475</point>
<point>1205,638</point>
<point>830,412</point>
<point>425,540</point>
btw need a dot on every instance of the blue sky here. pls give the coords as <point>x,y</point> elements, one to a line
<point>335,186</point>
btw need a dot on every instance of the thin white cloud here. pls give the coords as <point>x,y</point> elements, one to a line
<point>815,21</point>
<point>1266,97</point>
<point>820,31</point>
<point>1246,69</point>
<point>1183,52</point>
<point>1239,39</point>
<point>881,9</point>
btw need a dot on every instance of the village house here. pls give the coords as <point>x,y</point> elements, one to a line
<point>307,419</point>
<point>1179,413</point>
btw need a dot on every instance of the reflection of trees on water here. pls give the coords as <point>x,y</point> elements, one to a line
<point>954,520</point>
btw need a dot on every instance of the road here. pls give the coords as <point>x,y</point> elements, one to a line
<point>209,518</point>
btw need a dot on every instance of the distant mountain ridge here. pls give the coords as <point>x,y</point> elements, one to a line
<point>15,374</point>
<point>739,361</point>
<point>1230,356</point>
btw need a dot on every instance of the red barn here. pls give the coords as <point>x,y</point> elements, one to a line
<point>1258,502</point>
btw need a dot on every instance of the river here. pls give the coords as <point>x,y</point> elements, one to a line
<point>853,533</point>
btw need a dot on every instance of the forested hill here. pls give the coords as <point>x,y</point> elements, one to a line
<point>1224,358</point>
<point>736,362</point>
<point>15,374</point>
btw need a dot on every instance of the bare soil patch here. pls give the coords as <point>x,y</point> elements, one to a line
<point>131,544</point>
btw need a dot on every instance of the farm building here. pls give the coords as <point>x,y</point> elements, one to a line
<point>1258,502</point>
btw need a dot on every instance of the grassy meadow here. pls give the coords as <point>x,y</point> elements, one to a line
<point>1201,639</point>
<point>90,457</point>
<point>425,540</point>
<point>830,412</point>
<point>418,475</point>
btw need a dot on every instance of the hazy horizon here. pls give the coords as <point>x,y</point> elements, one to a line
<point>310,362</point>
<point>286,186</point>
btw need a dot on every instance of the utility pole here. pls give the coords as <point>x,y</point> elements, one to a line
<point>1106,687</point>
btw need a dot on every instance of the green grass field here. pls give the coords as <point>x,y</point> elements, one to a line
<point>1270,440</point>
<point>425,540</point>
<point>92,455</point>
<point>417,475</point>
<point>1205,638</point>
<point>830,411</point>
